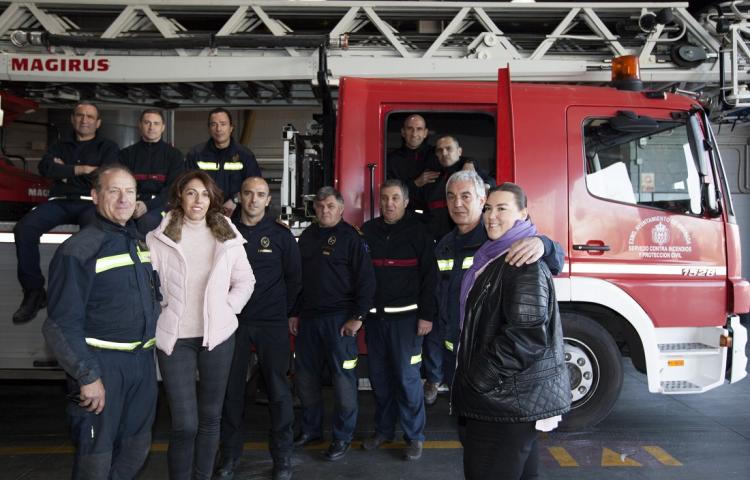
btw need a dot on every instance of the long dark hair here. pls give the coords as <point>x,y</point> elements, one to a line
<point>215,220</point>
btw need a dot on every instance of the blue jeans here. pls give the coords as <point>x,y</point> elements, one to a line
<point>196,415</point>
<point>319,343</point>
<point>394,352</point>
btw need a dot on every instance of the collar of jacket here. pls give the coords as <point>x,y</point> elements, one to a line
<point>158,234</point>
<point>71,139</point>
<point>473,239</point>
<point>262,224</point>
<point>210,145</point>
<point>109,226</point>
<point>403,222</point>
<point>155,144</point>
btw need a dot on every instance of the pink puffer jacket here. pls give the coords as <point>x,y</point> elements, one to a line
<point>230,285</point>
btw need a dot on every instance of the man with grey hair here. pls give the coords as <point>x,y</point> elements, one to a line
<point>465,193</point>
<point>402,254</point>
<point>337,287</point>
<point>450,160</point>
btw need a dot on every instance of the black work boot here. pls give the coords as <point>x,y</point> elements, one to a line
<point>226,468</point>
<point>337,450</point>
<point>33,300</point>
<point>282,469</point>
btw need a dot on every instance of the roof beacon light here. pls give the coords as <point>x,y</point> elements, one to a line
<point>626,73</point>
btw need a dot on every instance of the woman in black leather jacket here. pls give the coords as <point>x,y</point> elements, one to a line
<point>511,379</point>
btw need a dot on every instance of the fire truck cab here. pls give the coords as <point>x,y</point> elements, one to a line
<point>630,183</point>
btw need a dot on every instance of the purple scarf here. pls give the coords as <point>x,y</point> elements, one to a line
<point>490,250</point>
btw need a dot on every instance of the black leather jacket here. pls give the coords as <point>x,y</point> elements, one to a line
<point>510,360</point>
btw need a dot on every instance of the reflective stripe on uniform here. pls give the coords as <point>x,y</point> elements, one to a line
<point>212,166</point>
<point>416,359</point>
<point>349,364</point>
<point>467,263</point>
<point>107,263</point>
<point>123,346</point>
<point>233,166</point>
<point>407,308</point>
<point>445,265</point>
<point>122,260</point>
<point>449,345</point>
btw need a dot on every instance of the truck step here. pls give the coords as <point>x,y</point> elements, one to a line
<point>679,386</point>
<point>693,348</point>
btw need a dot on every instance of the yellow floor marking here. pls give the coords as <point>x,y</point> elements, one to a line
<point>563,458</point>
<point>36,450</point>
<point>610,458</point>
<point>661,455</point>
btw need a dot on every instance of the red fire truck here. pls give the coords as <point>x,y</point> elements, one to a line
<point>629,182</point>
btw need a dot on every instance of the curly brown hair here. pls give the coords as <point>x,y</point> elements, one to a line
<point>215,220</point>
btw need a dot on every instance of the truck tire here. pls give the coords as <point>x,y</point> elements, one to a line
<point>595,369</point>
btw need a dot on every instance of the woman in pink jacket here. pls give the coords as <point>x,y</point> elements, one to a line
<point>205,281</point>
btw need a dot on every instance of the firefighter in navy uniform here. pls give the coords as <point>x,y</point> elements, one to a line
<point>337,287</point>
<point>103,306</point>
<point>155,165</point>
<point>70,163</point>
<point>228,162</point>
<point>455,255</point>
<point>263,323</point>
<point>409,162</point>
<point>402,254</point>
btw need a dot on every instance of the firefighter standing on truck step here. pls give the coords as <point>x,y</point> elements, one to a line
<point>103,306</point>
<point>70,163</point>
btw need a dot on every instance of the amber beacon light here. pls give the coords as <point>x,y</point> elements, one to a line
<point>626,73</point>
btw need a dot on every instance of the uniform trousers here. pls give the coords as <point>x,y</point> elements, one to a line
<point>433,355</point>
<point>273,348</point>
<point>319,343</point>
<point>394,352</point>
<point>33,225</point>
<point>196,415</point>
<point>114,444</point>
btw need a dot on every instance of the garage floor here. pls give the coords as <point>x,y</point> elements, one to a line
<point>646,437</point>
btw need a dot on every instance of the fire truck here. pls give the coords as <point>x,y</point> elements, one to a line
<point>629,180</point>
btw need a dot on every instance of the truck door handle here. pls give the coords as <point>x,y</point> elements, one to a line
<point>591,248</point>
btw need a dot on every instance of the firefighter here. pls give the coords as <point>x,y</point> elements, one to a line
<point>264,324</point>
<point>404,308</point>
<point>70,163</point>
<point>223,158</point>
<point>155,165</point>
<point>337,287</point>
<point>449,161</point>
<point>455,255</point>
<point>103,306</point>
<point>408,163</point>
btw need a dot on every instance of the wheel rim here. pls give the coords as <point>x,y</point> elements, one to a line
<point>583,369</point>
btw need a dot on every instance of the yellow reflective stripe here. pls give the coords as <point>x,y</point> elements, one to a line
<point>467,263</point>
<point>373,310</point>
<point>416,359</point>
<point>208,166</point>
<point>407,308</point>
<point>145,257</point>
<point>107,263</point>
<point>233,166</point>
<point>444,265</point>
<point>150,343</point>
<point>349,364</point>
<point>449,345</point>
<point>124,346</point>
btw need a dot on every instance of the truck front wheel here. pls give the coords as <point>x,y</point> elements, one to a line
<point>595,370</point>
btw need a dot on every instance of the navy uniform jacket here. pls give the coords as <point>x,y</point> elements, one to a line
<point>155,166</point>
<point>405,268</point>
<point>433,197</point>
<point>337,274</point>
<point>455,255</point>
<point>406,165</point>
<point>229,167</point>
<point>95,152</point>
<point>274,256</point>
<point>101,285</point>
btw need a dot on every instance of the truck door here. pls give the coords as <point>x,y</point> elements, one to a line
<point>637,215</point>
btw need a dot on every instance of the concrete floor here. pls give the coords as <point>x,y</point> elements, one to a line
<point>646,437</point>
